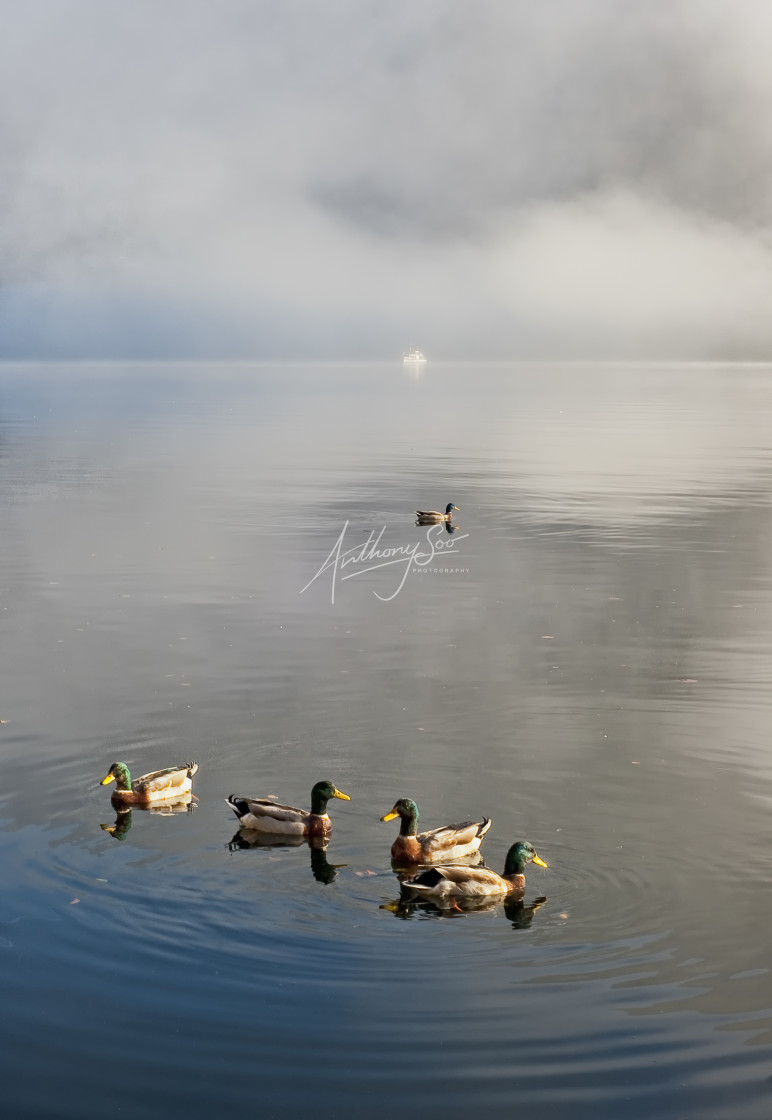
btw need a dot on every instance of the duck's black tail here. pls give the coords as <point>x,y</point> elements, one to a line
<point>424,880</point>
<point>238,804</point>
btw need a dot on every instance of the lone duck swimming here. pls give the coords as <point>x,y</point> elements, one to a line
<point>159,785</point>
<point>435,515</point>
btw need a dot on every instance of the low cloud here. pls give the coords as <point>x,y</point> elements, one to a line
<point>299,180</point>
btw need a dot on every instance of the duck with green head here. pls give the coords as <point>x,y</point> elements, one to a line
<point>169,784</point>
<point>477,882</point>
<point>264,815</point>
<point>450,841</point>
<point>432,516</point>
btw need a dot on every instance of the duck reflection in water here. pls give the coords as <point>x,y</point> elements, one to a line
<point>121,826</point>
<point>404,872</point>
<point>515,910</point>
<point>450,528</point>
<point>519,914</point>
<point>321,869</point>
<point>122,823</point>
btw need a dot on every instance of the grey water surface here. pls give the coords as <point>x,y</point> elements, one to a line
<point>587,659</point>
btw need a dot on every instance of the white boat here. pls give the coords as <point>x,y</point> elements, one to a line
<point>414,356</point>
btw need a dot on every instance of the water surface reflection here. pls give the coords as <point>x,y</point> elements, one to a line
<point>593,671</point>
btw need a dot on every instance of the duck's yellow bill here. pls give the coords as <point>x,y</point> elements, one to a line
<point>343,796</point>
<point>390,816</point>
<point>539,862</point>
<point>106,781</point>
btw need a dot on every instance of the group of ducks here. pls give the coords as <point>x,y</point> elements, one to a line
<point>450,855</point>
<point>438,850</point>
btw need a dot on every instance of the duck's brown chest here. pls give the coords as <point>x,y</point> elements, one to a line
<point>407,848</point>
<point>319,824</point>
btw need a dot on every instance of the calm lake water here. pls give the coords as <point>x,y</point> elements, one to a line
<point>587,660</point>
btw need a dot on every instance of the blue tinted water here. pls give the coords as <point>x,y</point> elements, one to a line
<point>593,671</point>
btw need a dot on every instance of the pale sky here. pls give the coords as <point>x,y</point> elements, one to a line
<point>345,178</point>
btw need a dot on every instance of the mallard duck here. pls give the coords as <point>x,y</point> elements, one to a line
<point>433,515</point>
<point>477,882</point>
<point>450,841</point>
<point>160,785</point>
<point>266,816</point>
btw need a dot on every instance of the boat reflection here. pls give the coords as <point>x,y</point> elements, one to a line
<point>321,869</point>
<point>123,820</point>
